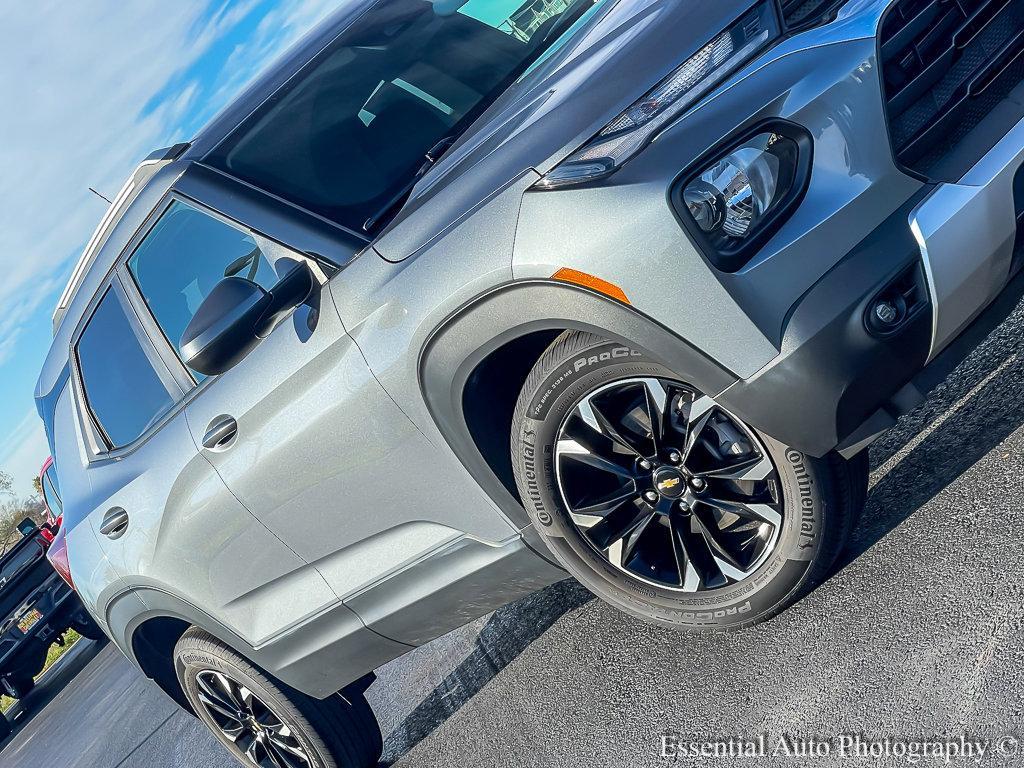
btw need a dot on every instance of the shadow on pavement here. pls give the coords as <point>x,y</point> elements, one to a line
<point>975,410</point>
<point>50,685</point>
<point>507,634</point>
<point>965,419</point>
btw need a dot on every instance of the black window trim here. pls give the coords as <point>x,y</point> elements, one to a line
<point>190,387</point>
<point>98,442</point>
<point>48,481</point>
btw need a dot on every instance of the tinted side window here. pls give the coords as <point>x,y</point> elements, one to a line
<point>122,389</point>
<point>183,257</point>
<point>50,493</point>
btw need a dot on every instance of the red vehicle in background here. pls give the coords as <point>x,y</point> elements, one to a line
<point>51,496</point>
<point>37,605</point>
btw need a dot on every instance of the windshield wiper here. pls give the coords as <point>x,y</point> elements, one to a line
<point>430,160</point>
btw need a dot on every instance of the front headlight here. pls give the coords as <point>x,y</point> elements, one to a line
<point>733,199</point>
<point>627,134</point>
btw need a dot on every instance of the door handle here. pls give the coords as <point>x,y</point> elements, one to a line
<point>221,431</point>
<point>115,523</point>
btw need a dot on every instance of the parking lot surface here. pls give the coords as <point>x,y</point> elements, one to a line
<point>917,634</point>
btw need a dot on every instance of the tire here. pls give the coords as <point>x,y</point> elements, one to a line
<point>338,732</point>
<point>809,504</point>
<point>20,685</point>
<point>86,626</point>
<point>5,728</point>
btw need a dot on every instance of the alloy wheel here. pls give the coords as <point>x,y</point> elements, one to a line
<point>247,722</point>
<point>667,486</point>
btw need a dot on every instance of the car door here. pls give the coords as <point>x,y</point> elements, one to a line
<point>300,430</point>
<point>158,510</point>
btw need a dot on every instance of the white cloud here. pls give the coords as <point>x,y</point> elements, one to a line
<point>75,79</point>
<point>29,451</point>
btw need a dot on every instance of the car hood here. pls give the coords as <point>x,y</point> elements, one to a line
<point>621,53</point>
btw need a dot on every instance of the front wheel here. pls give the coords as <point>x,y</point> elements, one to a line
<point>662,502</point>
<point>264,722</point>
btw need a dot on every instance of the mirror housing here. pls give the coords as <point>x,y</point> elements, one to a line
<point>27,527</point>
<point>236,315</point>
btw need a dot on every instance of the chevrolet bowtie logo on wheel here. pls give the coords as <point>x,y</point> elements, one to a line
<point>669,484</point>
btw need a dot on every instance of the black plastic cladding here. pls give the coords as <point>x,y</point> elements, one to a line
<point>735,258</point>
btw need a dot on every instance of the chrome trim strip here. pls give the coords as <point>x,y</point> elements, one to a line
<point>966,232</point>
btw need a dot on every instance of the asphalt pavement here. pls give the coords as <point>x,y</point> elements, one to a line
<point>917,635</point>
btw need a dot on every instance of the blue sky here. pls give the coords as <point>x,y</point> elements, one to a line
<point>89,88</point>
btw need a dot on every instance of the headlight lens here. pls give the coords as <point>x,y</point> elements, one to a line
<point>731,197</point>
<point>628,133</point>
<point>733,203</point>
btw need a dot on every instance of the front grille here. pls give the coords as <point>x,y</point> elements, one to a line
<point>798,14</point>
<point>953,73</point>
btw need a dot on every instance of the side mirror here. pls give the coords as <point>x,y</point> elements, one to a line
<point>236,315</point>
<point>27,527</point>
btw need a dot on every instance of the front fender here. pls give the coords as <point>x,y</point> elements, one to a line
<point>508,312</point>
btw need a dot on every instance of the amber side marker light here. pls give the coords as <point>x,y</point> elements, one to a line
<point>567,275</point>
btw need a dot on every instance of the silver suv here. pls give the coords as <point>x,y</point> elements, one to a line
<point>463,297</point>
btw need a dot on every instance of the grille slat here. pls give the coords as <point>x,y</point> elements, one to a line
<point>949,66</point>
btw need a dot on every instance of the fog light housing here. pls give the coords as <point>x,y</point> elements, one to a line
<point>738,197</point>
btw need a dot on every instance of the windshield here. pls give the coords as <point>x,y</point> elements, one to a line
<point>347,134</point>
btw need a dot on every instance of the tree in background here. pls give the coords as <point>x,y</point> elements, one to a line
<point>38,485</point>
<point>13,510</point>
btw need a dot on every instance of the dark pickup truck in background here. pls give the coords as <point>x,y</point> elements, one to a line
<point>37,608</point>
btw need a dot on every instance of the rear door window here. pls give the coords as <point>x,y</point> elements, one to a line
<point>123,390</point>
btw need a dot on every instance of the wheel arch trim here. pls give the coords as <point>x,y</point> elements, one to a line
<point>489,321</point>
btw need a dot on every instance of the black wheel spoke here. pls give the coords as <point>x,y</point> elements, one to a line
<point>570,450</point>
<point>758,512</point>
<point>618,525</point>
<point>756,467</point>
<point>713,536</point>
<point>700,412</point>
<point>657,404</point>
<point>242,719</point>
<point>699,554</point>
<point>219,701</point>
<point>253,753</point>
<point>667,486</point>
<point>606,504</point>
<point>619,416</point>
<point>281,758</point>
<point>628,543</point>
<point>683,565</point>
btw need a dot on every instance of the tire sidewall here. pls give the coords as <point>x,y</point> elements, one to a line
<point>190,661</point>
<point>802,484</point>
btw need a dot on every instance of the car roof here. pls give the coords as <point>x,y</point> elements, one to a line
<point>154,176</point>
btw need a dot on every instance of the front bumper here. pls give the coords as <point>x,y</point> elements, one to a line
<point>836,384</point>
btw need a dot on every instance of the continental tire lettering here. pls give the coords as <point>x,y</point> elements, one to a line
<point>806,500</point>
<point>530,474</point>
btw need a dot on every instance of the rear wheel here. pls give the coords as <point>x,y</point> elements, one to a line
<point>264,722</point>
<point>662,502</point>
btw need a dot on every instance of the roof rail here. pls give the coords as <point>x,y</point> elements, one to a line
<point>139,178</point>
